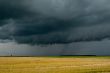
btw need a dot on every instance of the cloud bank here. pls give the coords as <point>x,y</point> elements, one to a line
<point>54,21</point>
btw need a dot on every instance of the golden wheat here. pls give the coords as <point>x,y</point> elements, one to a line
<point>54,65</point>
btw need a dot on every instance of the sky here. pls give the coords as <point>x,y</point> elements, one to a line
<point>54,27</point>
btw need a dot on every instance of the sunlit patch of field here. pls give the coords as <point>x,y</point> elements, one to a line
<point>54,64</point>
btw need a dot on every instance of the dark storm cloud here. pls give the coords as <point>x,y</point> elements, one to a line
<point>54,21</point>
<point>11,9</point>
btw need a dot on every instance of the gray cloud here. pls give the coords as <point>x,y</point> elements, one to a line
<point>54,21</point>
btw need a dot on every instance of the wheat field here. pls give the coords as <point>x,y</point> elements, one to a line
<point>54,64</point>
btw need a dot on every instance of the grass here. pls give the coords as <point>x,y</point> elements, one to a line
<point>75,64</point>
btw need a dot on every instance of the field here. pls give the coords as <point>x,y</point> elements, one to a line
<point>54,64</point>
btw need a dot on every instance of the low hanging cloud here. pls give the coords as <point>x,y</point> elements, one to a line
<point>54,21</point>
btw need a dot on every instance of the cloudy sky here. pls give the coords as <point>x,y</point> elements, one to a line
<point>54,27</point>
